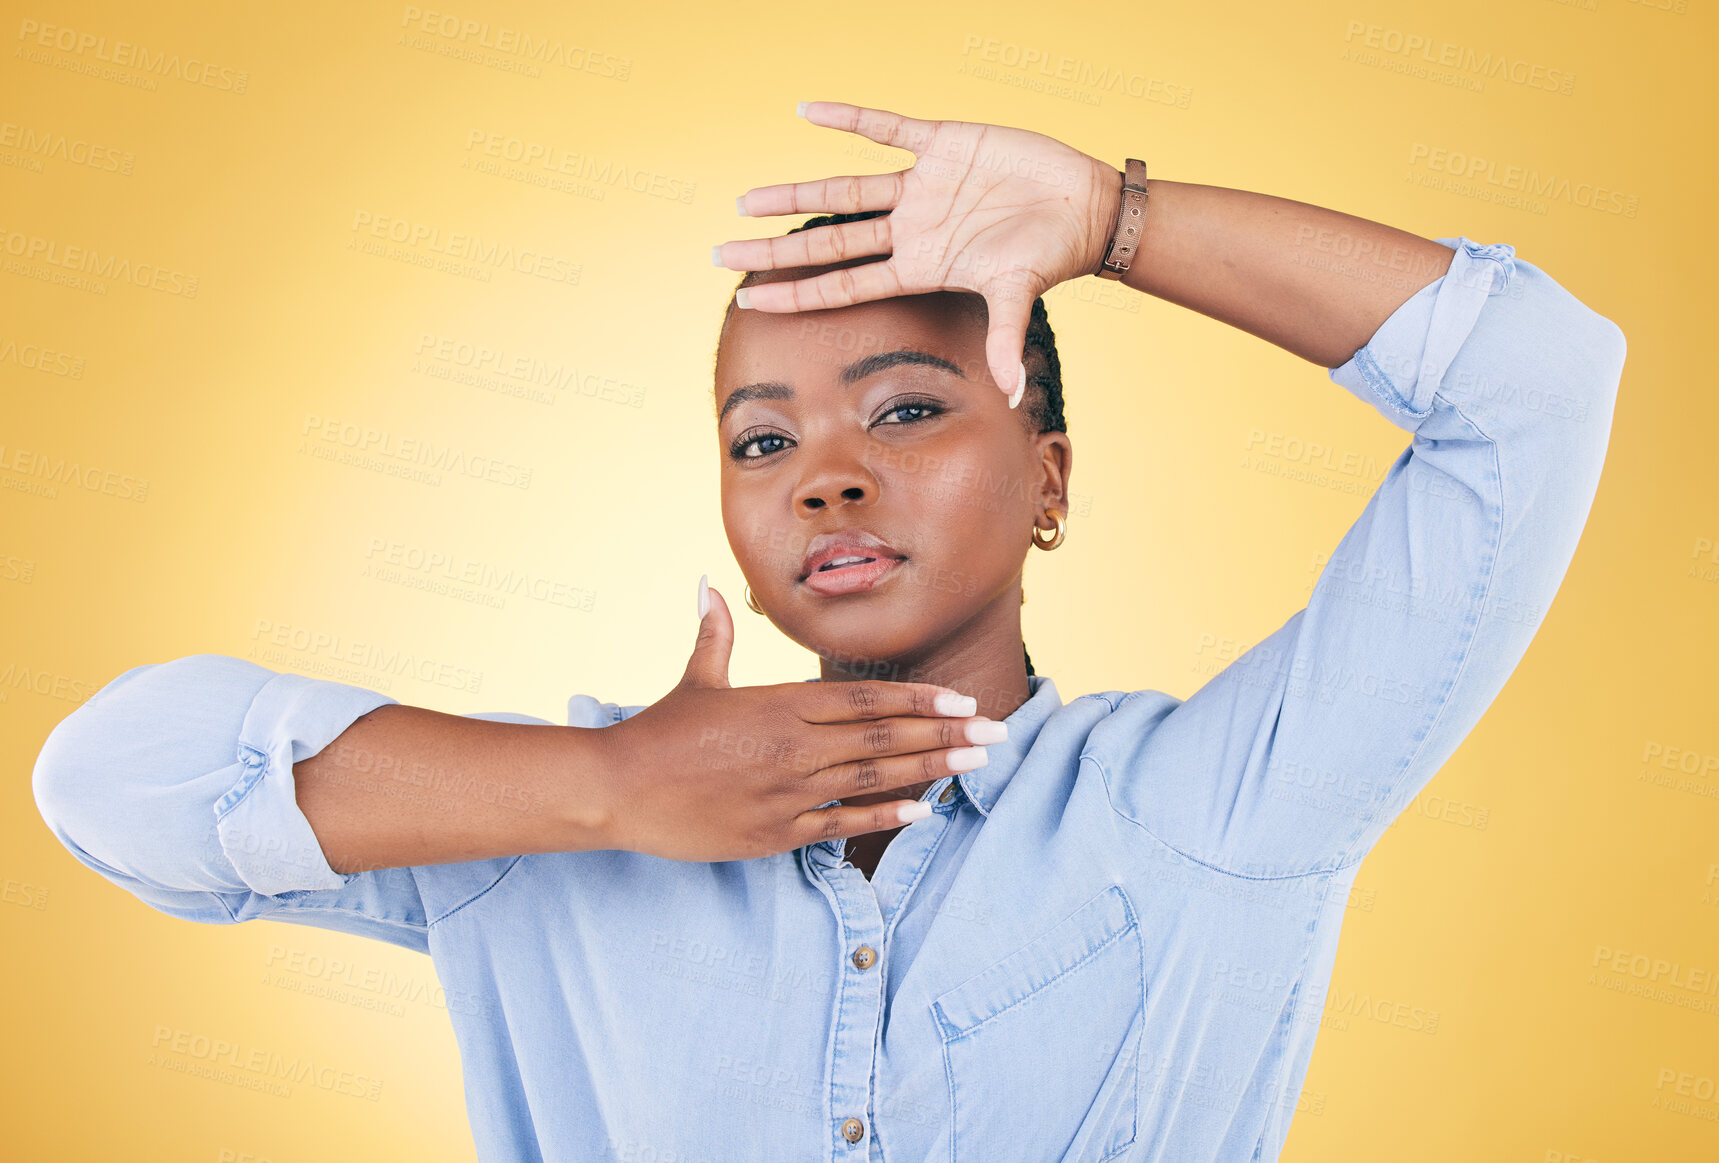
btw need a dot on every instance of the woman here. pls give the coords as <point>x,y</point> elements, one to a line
<point>1105,929</point>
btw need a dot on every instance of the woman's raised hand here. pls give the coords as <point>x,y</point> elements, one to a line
<point>715,772</point>
<point>1006,213</point>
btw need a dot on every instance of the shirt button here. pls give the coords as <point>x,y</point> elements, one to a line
<point>853,1130</point>
<point>864,957</point>
<point>948,794</point>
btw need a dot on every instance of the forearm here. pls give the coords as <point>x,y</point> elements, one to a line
<point>1313,281</point>
<point>408,786</point>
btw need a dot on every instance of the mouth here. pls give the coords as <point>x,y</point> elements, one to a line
<point>850,573</point>
<point>841,550</point>
<point>843,562</point>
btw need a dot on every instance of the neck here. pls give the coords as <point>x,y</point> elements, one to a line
<point>982,658</point>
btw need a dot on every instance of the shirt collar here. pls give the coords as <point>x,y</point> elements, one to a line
<point>984,785</point>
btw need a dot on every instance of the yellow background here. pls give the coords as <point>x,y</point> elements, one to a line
<point>351,110</point>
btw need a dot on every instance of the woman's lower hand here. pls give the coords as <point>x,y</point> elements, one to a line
<point>1007,213</point>
<point>714,772</point>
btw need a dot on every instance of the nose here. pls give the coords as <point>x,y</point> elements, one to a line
<point>836,473</point>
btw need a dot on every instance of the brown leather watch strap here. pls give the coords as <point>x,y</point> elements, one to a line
<point>1130,222</point>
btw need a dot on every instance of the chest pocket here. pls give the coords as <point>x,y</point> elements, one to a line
<point>1042,1049</point>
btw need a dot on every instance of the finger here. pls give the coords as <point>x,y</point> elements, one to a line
<point>843,702</point>
<point>844,820</point>
<point>1010,306</point>
<point>842,288</point>
<point>845,195</point>
<point>824,245</point>
<point>836,743</point>
<point>863,776</point>
<point>880,125</point>
<point>714,648</point>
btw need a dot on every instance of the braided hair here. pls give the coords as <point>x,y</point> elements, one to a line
<point>1043,397</point>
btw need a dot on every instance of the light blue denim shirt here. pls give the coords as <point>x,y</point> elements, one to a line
<point>1113,941</point>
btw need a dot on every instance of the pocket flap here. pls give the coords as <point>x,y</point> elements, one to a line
<point>1062,948</point>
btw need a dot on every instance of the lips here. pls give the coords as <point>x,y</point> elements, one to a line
<point>841,562</point>
<point>853,578</point>
<point>846,549</point>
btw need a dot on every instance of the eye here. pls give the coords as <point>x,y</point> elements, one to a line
<point>748,438</point>
<point>921,404</point>
<point>924,405</point>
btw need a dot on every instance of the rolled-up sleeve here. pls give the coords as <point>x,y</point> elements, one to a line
<point>175,781</point>
<point>1300,753</point>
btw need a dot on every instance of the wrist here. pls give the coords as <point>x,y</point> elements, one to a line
<point>1106,212</point>
<point>1129,231</point>
<point>581,800</point>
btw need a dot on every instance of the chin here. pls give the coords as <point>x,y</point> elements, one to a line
<point>868,650</point>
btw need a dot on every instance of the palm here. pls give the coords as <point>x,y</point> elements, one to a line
<point>1001,212</point>
<point>968,223</point>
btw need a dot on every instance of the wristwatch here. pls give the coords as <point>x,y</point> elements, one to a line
<point>1130,220</point>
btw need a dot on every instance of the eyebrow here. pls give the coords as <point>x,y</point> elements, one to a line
<point>852,373</point>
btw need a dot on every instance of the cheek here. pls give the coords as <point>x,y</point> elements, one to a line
<point>971,516</point>
<point>732,521</point>
<point>740,522</point>
<point>766,550</point>
<point>976,491</point>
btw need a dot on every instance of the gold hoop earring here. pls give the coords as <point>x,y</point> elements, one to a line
<point>752,602</point>
<point>1054,541</point>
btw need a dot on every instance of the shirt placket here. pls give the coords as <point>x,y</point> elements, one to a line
<point>859,1000</point>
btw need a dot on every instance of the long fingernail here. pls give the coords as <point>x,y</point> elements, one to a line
<point>703,595</point>
<point>800,110</point>
<point>949,703</point>
<point>908,813</point>
<point>967,758</point>
<point>740,205</point>
<point>987,731</point>
<point>716,255</point>
<point>740,298</point>
<point>1020,388</point>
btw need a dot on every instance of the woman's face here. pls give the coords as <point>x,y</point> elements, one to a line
<point>880,419</point>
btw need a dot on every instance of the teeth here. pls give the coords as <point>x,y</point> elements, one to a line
<point>838,562</point>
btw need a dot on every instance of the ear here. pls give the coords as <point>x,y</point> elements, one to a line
<point>1056,461</point>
